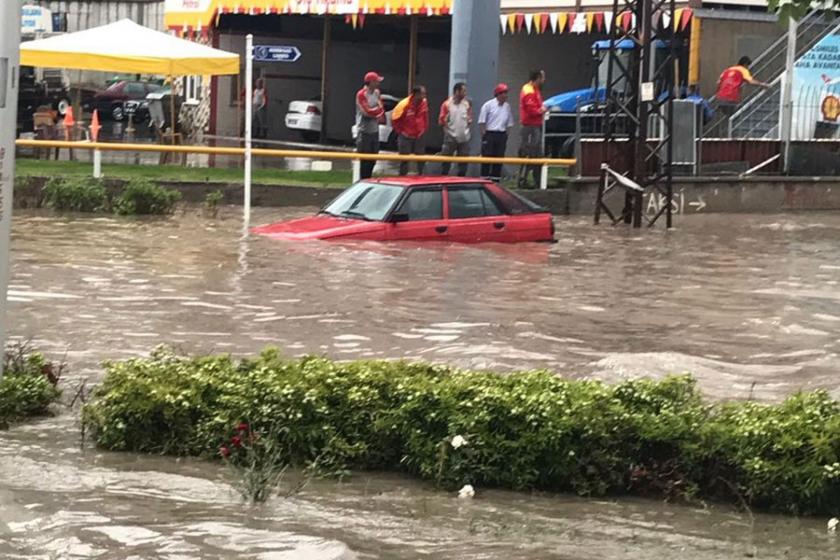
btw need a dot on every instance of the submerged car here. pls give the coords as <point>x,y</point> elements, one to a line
<point>422,209</point>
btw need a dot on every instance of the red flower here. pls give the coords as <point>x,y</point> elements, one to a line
<point>224,452</point>
<point>236,441</point>
<point>243,427</point>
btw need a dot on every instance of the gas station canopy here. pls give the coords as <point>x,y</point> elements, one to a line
<point>198,15</point>
<point>125,46</point>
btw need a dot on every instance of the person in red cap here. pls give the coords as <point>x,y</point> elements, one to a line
<point>369,114</point>
<point>411,121</point>
<point>494,121</point>
<point>531,117</point>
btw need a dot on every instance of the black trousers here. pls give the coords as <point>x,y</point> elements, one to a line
<point>493,144</point>
<point>408,146</point>
<point>367,143</point>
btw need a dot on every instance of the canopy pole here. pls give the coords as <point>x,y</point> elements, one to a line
<point>325,53</point>
<point>249,86</point>
<point>412,52</point>
<point>172,109</point>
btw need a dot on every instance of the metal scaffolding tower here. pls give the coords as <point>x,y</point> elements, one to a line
<point>638,114</point>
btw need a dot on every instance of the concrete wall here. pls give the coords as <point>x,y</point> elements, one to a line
<point>352,54</point>
<point>566,59</point>
<point>723,42</point>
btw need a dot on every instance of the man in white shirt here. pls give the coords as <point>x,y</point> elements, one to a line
<point>494,121</point>
<point>456,118</point>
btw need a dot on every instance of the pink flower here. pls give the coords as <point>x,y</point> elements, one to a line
<point>236,441</point>
<point>224,452</point>
<point>243,427</point>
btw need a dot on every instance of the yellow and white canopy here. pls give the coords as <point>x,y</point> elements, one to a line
<point>125,46</point>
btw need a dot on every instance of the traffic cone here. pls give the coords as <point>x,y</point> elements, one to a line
<point>95,126</point>
<point>69,121</point>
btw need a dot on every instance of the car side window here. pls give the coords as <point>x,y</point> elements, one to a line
<point>423,205</point>
<point>135,89</point>
<point>471,203</point>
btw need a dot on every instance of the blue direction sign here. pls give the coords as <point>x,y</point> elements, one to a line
<point>278,53</point>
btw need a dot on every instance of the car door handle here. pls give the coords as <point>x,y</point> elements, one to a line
<point>499,225</point>
<point>441,229</point>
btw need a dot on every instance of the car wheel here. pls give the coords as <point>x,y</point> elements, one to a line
<point>61,106</point>
<point>310,135</point>
<point>117,112</point>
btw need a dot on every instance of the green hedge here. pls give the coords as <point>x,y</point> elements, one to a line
<point>530,430</point>
<point>75,194</point>
<point>80,194</point>
<point>28,386</point>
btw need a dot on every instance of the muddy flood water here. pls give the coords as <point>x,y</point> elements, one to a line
<point>749,304</point>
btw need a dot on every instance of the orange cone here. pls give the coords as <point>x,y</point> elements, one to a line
<point>94,125</point>
<point>69,121</point>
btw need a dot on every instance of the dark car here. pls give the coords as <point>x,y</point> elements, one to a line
<point>111,102</point>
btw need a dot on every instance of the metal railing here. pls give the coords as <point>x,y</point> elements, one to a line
<point>749,113</point>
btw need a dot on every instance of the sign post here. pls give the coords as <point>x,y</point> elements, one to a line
<point>249,94</point>
<point>9,56</point>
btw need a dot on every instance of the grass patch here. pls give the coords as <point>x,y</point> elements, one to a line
<point>48,168</point>
<point>28,386</point>
<point>529,430</point>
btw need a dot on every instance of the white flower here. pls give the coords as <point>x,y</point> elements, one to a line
<point>458,441</point>
<point>466,492</point>
<point>571,453</point>
<point>832,524</point>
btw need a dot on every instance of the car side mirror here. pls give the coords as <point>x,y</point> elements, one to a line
<point>398,217</point>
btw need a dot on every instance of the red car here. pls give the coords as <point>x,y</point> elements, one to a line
<point>422,209</point>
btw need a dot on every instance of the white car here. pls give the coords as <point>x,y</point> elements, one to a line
<point>387,136</point>
<point>305,116</point>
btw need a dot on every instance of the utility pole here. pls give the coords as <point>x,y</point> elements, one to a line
<point>474,55</point>
<point>9,72</point>
<point>787,93</point>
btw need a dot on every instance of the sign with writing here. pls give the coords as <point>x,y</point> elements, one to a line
<point>279,53</point>
<point>816,88</point>
<point>35,19</point>
<point>324,6</point>
<point>187,5</point>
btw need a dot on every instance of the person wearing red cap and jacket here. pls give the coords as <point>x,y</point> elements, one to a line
<point>494,121</point>
<point>369,113</point>
<point>531,117</point>
<point>410,119</point>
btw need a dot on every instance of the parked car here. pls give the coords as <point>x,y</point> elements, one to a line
<point>454,209</point>
<point>111,102</point>
<point>387,136</point>
<point>305,116</point>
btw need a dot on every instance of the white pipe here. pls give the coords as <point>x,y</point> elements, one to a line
<point>787,93</point>
<point>97,164</point>
<point>249,93</point>
<point>357,170</point>
<point>544,177</point>
<point>9,57</point>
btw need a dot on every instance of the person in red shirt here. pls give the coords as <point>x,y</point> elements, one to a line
<point>531,117</point>
<point>730,83</point>
<point>410,120</point>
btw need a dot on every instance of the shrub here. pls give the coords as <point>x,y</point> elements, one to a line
<point>75,194</point>
<point>529,430</point>
<point>28,386</point>
<point>140,196</point>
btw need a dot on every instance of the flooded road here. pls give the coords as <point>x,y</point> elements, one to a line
<point>749,304</point>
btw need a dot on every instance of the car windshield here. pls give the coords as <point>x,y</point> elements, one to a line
<point>364,201</point>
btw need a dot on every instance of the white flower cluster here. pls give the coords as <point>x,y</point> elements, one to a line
<point>458,441</point>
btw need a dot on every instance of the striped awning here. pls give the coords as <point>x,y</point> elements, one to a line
<point>194,16</point>
<point>586,22</point>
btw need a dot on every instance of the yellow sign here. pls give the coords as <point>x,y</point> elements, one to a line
<point>200,14</point>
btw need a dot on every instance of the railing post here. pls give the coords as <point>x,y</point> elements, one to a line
<point>357,170</point>
<point>97,164</point>
<point>249,84</point>
<point>543,177</point>
<point>787,94</point>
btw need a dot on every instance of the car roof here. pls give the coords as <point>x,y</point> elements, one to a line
<point>426,180</point>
